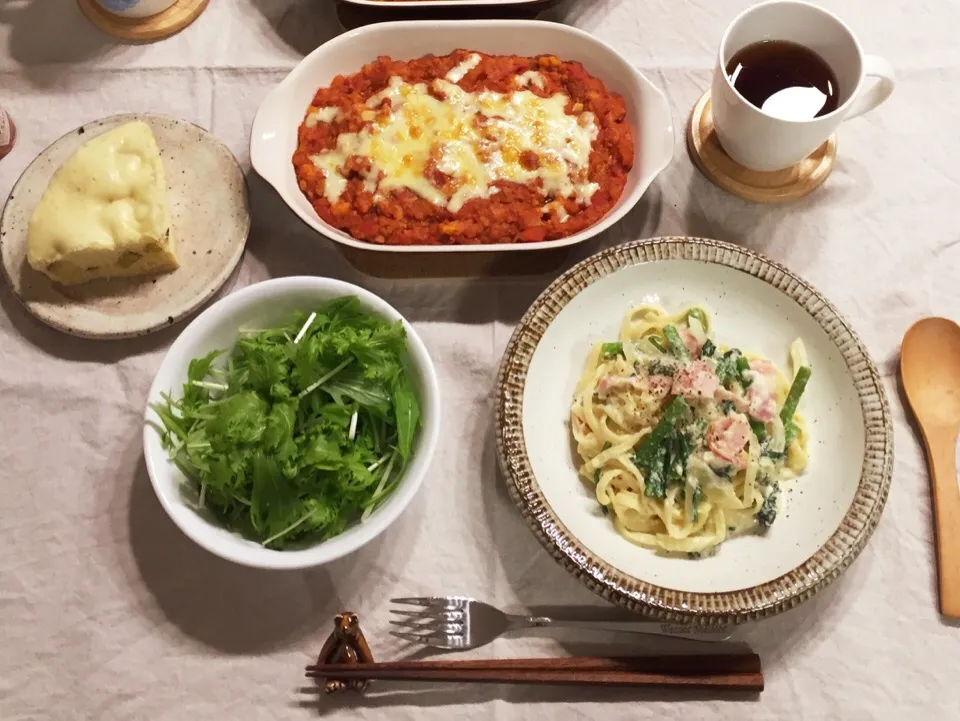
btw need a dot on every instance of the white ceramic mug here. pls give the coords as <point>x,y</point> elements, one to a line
<point>762,142</point>
<point>135,8</point>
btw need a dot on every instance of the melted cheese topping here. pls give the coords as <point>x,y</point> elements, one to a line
<point>458,73</point>
<point>556,207</point>
<point>105,211</point>
<point>531,77</point>
<point>476,139</point>
<point>321,115</point>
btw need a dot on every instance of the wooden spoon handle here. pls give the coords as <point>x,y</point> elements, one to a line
<point>941,450</point>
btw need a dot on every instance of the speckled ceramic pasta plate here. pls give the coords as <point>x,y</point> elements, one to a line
<point>209,208</point>
<point>826,516</point>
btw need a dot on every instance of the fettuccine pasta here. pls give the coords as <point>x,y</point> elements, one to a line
<point>687,442</point>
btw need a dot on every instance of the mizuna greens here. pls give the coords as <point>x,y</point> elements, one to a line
<point>304,430</point>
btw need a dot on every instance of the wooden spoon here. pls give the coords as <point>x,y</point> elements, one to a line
<point>930,367</point>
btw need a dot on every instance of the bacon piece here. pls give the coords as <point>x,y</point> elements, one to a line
<point>727,437</point>
<point>690,343</point>
<point>765,367</point>
<point>695,380</point>
<point>660,385</point>
<point>761,395</point>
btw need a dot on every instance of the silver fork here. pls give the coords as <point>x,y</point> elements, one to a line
<point>457,622</point>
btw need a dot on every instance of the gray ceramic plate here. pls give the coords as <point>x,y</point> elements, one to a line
<point>826,515</point>
<point>208,201</point>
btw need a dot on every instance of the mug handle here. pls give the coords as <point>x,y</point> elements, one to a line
<point>873,67</point>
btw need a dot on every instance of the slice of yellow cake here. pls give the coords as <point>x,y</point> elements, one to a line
<point>105,212</point>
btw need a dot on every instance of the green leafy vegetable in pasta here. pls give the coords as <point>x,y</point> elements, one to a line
<point>723,472</point>
<point>743,365</point>
<point>759,429</point>
<point>727,367</point>
<point>731,367</point>
<point>675,342</point>
<point>701,317</point>
<point>708,349</point>
<point>768,511</point>
<point>663,454</point>
<point>657,343</point>
<point>697,497</point>
<point>677,409</point>
<point>790,431</point>
<point>766,452</point>
<point>611,350</point>
<point>307,428</point>
<point>793,396</point>
<point>659,368</point>
<point>792,401</point>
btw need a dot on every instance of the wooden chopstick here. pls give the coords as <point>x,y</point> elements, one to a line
<point>731,671</point>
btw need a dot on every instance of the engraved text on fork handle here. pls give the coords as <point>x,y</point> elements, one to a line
<point>643,627</point>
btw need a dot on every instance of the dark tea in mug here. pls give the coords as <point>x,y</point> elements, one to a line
<point>784,79</point>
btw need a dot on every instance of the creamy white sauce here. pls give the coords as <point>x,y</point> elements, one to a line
<point>762,390</point>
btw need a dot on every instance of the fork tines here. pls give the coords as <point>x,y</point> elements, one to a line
<point>438,622</point>
<point>433,601</point>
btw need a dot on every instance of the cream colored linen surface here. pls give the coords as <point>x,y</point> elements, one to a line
<point>108,612</point>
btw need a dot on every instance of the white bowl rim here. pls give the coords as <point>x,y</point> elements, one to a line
<point>402,495</point>
<point>623,206</point>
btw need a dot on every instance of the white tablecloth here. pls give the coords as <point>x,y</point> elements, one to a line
<point>108,612</point>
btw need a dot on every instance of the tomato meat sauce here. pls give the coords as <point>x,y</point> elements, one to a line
<point>464,149</point>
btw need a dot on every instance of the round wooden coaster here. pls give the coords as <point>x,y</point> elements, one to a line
<point>172,20</point>
<point>777,186</point>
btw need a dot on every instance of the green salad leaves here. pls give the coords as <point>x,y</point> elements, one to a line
<point>304,431</point>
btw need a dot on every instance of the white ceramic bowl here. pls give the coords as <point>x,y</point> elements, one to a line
<point>274,135</point>
<point>826,515</point>
<point>272,302</point>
